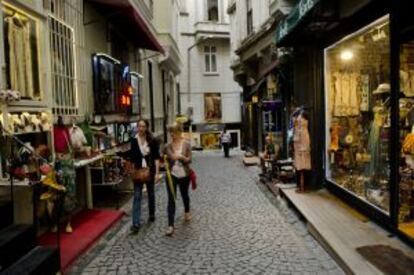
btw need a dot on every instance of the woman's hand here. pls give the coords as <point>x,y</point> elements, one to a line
<point>175,157</point>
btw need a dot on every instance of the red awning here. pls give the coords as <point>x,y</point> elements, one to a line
<point>131,23</point>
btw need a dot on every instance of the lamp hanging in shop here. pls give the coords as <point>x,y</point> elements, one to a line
<point>347,55</point>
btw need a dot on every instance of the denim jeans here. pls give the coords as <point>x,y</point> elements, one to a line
<point>183,185</point>
<point>136,207</point>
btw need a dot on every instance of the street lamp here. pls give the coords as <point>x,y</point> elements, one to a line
<point>198,42</point>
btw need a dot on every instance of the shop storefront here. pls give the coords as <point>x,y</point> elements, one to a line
<point>363,77</point>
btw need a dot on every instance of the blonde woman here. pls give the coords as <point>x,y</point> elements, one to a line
<point>179,158</point>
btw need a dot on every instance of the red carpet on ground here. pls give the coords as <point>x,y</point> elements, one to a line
<point>87,226</point>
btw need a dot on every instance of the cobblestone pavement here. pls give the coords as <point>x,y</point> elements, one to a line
<point>237,228</point>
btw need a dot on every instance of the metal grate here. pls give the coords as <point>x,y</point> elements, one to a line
<point>68,57</point>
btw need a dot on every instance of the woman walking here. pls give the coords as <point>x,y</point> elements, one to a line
<point>179,158</point>
<point>144,154</point>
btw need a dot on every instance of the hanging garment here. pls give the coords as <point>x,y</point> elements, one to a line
<point>77,137</point>
<point>20,57</point>
<point>301,143</point>
<point>61,139</point>
<point>345,89</point>
<point>377,164</point>
<point>67,177</point>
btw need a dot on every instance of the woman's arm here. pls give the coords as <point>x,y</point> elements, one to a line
<point>186,158</point>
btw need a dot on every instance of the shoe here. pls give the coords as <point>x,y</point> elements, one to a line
<point>170,231</point>
<point>134,229</point>
<point>151,219</point>
<point>187,217</point>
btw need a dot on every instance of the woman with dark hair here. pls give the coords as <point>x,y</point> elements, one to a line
<point>144,153</point>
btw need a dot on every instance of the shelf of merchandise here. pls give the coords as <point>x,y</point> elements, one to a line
<point>17,183</point>
<point>112,183</point>
<point>85,162</point>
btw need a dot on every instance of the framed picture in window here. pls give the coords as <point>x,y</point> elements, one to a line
<point>104,84</point>
<point>212,107</point>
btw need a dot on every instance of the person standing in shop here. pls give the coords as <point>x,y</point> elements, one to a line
<point>178,154</point>
<point>144,153</point>
<point>225,139</point>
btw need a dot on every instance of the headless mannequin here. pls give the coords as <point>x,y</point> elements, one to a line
<point>302,147</point>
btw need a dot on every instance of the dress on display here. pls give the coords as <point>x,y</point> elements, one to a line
<point>346,100</point>
<point>67,177</point>
<point>20,59</point>
<point>301,143</point>
<point>376,165</point>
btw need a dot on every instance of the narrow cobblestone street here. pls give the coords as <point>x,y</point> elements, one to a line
<point>237,228</point>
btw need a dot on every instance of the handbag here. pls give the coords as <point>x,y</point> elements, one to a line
<point>193,179</point>
<point>141,174</point>
<point>138,175</point>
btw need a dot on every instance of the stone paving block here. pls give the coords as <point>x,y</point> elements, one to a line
<point>238,227</point>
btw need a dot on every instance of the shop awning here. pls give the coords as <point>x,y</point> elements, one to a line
<point>131,23</point>
<point>298,13</point>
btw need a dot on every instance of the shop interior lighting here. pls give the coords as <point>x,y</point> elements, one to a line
<point>347,55</point>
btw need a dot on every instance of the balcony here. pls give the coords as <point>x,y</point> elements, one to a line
<point>213,30</point>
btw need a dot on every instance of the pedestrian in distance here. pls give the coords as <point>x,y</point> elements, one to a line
<point>178,157</point>
<point>225,139</point>
<point>143,156</point>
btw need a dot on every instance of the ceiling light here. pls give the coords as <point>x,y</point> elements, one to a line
<point>347,55</point>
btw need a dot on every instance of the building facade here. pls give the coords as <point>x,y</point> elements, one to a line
<point>257,67</point>
<point>207,92</point>
<point>360,133</point>
<point>92,67</point>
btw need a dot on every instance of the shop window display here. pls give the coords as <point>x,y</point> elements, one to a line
<point>21,53</point>
<point>406,114</point>
<point>358,113</point>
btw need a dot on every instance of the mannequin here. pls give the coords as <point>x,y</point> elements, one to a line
<point>302,149</point>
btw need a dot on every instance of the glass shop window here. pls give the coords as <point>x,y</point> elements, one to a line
<point>406,114</point>
<point>357,78</point>
<point>21,51</point>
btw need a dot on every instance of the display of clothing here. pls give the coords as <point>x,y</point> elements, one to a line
<point>301,143</point>
<point>67,177</point>
<point>377,162</point>
<point>61,139</point>
<point>20,56</point>
<point>345,94</point>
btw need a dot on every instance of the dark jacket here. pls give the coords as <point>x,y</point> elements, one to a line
<point>135,156</point>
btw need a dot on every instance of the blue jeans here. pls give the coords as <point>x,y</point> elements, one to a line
<point>136,206</point>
